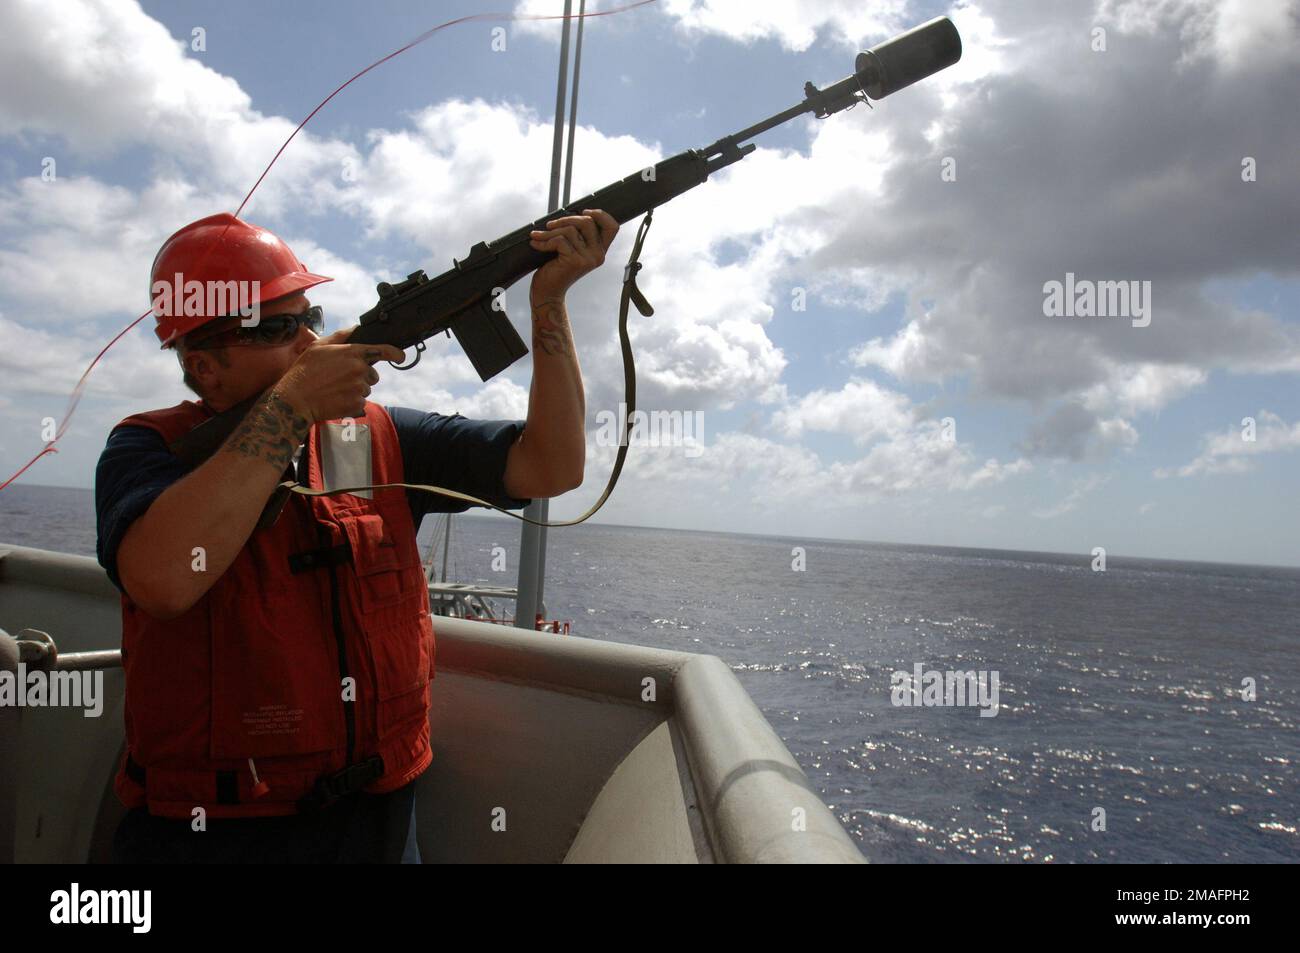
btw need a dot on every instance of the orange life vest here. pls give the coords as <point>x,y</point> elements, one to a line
<point>307,662</point>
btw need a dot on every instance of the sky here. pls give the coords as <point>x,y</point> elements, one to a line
<point>854,320</point>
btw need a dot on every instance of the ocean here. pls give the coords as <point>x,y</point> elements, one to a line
<point>1122,695</point>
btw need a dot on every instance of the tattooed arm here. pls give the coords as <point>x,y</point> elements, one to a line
<point>549,456</point>
<point>273,431</point>
<point>215,506</point>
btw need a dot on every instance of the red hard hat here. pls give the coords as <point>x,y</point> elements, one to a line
<point>219,249</point>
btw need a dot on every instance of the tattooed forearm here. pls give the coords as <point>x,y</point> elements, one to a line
<point>272,430</point>
<point>551,327</point>
<point>548,458</point>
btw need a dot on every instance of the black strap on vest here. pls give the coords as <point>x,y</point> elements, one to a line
<point>328,789</point>
<point>134,771</point>
<point>227,788</point>
<point>320,558</point>
<point>350,780</point>
<point>227,782</point>
<point>274,504</point>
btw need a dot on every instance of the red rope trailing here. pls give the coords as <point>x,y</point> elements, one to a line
<point>77,391</point>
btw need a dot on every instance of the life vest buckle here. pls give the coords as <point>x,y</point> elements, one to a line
<point>329,788</point>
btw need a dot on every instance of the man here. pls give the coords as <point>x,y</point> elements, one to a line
<point>277,666</point>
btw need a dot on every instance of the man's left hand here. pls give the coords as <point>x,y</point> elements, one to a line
<point>580,243</point>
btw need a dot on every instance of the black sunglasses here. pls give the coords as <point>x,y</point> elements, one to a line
<point>268,332</point>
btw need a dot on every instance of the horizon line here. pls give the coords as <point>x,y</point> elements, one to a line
<point>828,539</point>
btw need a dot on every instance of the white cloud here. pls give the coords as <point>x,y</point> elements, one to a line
<point>101,77</point>
<point>1073,432</point>
<point>47,364</point>
<point>904,452</point>
<point>1080,489</point>
<point>498,399</point>
<point>1231,452</point>
<point>993,471</point>
<point>905,355</point>
<point>1229,34</point>
<point>1141,388</point>
<point>747,469</point>
<point>794,23</point>
<point>74,240</point>
<point>922,458</point>
<point>861,409</point>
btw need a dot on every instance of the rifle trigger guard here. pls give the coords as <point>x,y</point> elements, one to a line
<point>419,350</point>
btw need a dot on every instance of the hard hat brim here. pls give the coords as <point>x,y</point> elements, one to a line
<point>282,287</point>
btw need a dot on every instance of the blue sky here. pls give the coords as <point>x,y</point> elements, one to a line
<point>924,295</point>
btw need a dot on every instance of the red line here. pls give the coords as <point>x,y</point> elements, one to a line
<point>75,397</point>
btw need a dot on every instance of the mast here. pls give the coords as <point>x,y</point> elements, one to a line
<point>446,548</point>
<point>532,539</point>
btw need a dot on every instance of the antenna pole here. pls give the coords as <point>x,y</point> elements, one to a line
<point>446,547</point>
<point>532,539</point>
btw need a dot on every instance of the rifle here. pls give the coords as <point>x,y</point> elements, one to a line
<point>463,300</point>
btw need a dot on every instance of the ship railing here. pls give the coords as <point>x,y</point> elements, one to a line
<point>36,650</point>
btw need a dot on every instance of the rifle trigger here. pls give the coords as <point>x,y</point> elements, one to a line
<point>419,350</point>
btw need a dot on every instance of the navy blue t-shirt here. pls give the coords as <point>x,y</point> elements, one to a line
<point>451,452</point>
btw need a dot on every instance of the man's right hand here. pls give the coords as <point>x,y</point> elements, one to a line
<point>332,379</point>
